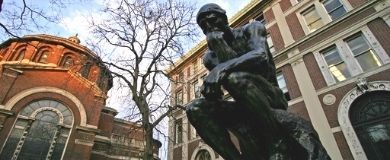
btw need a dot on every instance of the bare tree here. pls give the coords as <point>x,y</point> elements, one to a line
<point>148,35</point>
<point>19,17</point>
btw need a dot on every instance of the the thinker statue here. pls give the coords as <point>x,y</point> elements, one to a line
<point>239,60</point>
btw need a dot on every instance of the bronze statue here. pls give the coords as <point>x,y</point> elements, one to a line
<point>239,60</point>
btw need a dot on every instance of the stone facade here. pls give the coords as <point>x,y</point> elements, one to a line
<point>319,92</point>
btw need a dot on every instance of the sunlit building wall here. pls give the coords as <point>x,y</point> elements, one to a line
<point>332,60</point>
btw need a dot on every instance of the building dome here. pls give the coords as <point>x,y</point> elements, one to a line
<point>74,39</point>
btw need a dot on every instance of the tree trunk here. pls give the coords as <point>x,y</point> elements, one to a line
<point>148,154</point>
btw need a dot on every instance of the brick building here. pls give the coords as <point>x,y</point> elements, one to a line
<point>52,104</point>
<point>332,60</point>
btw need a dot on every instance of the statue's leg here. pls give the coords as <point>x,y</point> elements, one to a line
<point>304,133</point>
<point>203,115</point>
<point>259,97</point>
<point>253,92</point>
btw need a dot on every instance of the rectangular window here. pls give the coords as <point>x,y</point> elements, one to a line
<point>181,77</point>
<point>195,66</point>
<point>188,72</point>
<point>312,19</point>
<point>196,89</point>
<point>270,44</point>
<point>334,8</point>
<point>282,85</point>
<point>336,64</point>
<point>178,131</point>
<point>260,18</point>
<point>193,132</point>
<point>179,97</point>
<point>362,51</point>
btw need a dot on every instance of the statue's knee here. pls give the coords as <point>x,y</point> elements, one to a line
<point>238,79</point>
<point>194,108</point>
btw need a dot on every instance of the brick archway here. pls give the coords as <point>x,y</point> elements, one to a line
<point>74,99</point>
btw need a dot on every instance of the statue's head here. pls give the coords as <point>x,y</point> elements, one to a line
<point>211,17</point>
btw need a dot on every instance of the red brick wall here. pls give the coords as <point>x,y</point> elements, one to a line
<point>295,27</point>
<point>381,32</point>
<point>106,124</point>
<point>357,3</point>
<point>291,81</point>
<point>276,37</point>
<point>269,15</point>
<point>285,4</point>
<point>60,79</point>
<point>314,71</point>
<point>79,152</point>
<point>177,153</point>
<point>299,109</point>
<point>191,148</point>
<point>343,146</point>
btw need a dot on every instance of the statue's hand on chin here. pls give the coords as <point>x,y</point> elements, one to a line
<point>211,88</point>
<point>214,40</point>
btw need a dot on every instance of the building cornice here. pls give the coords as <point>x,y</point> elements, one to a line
<point>53,39</point>
<point>234,21</point>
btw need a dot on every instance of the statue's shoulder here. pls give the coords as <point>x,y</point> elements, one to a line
<point>254,27</point>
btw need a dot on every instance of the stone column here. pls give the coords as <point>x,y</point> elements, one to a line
<point>83,142</point>
<point>314,108</point>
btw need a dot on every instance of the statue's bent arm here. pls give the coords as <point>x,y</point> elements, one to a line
<point>256,57</point>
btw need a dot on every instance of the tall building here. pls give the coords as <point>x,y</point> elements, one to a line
<point>52,104</point>
<point>332,60</point>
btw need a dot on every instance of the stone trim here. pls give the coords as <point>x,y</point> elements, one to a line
<point>314,109</point>
<point>83,142</point>
<point>204,146</point>
<point>11,103</point>
<point>61,117</point>
<point>344,121</point>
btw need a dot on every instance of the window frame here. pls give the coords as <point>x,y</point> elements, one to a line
<point>41,54</point>
<point>321,11</point>
<point>347,55</point>
<point>329,12</point>
<point>177,95</point>
<point>179,139</point>
<point>286,94</point>
<point>270,47</point>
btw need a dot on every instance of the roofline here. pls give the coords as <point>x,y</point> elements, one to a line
<point>54,39</point>
<point>63,41</point>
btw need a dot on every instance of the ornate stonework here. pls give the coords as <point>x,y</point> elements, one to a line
<point>329,99</point>
<point>343,116</point>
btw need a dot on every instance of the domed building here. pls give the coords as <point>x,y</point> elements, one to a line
<point>52,103</point>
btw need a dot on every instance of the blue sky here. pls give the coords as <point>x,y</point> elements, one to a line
<point>75,19</point>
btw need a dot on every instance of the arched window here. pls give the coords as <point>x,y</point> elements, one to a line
<point>203,155</point>
<point>370,117</point>
<point>104,77</point>
<point>85,69</point>
<point>2,54</point>
<point>43,56</point>
<point>40,132</point>
<point>18,56</point>
<point>68,62</point>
